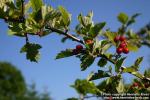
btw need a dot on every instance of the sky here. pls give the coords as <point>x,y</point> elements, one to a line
<point>57,75</point>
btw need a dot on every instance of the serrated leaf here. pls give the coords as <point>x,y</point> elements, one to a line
<point>65,15</point>
<point>32,51</point>
<point>102,62</point>
<point>36,5</point>
<point>63,54</point>
<point>95,30</point>
<point>87,60</point>
<point>100,74</point>
<point>123,18</point>
<point>119,63</point>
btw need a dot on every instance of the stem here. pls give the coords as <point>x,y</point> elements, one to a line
<point>65,34</point>
<point>104,56</point>
<point>27,39</point>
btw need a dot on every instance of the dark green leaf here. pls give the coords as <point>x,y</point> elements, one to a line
<point>63,54</point>
<point>87,60</point>
<point>123,18</point>
<point>138,61</point>
<point>119,63</point>
<point>100,74</point>
<point>102,62</point>
<point>94,31</point>
<point>72,98</point>
<point>132,19</point>
<point>32,51</point>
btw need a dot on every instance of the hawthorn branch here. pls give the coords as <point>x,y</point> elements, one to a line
<point>27,39</point>
<point>65,34</point>
<point>104,56</point>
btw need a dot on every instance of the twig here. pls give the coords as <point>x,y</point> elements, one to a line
<point>27,39</point>
<point>66,34</point>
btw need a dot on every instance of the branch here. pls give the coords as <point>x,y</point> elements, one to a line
<point>65,34</point>
<point>104,56</point>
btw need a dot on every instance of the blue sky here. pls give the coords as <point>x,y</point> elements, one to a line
<point>57,75</point>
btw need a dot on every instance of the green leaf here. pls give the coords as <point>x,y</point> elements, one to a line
<point>120,87</point>
<point>36,5</point>
<point>132,47</point>
<point>94,31</point>
<point>65,15</point>
<point>110,36</point>
<point>132,19</point>
<point>119,63</point>
<point>72,98</point>
<point>63,54</point>
<point>102,62</point>
<point>123,18</point>
<point>137,63</point>
<point>100,74</point>
<point>83,87</point>
<point>32,51</point>
<point>87,60</point>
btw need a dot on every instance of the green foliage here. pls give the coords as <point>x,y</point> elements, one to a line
<point>123,18</point>
<point>100,74</point>
<point>83,87</point>
<point>86,61</point>
<point>35,18</point>
<point>95,30</point>
<point>65,16</point>
<point>66,53</point>
<point>36,5</point>
<point>137,63</point>
<point>119,63</point>
<point>12,84</point>
<point>32,51</point>
<point>102,62</point>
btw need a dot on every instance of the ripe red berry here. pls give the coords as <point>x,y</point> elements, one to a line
<point>122,38</point>
<point>116,39</point>
<point>125,50</point>
<point>119,50</point>
<point>122,45</point>
<point>135,84</point>
<point>79,47</point>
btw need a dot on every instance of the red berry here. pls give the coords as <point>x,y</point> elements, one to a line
<point>135,84</point>
<point>122,45</point>
<point>79,47</point>
<point>125,50</point>
<point>116,39</point>
<point>122,38</point>
<point>119,50</point>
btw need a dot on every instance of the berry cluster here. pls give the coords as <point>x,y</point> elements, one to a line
<point>122,45</point>
<point>78,49</point>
